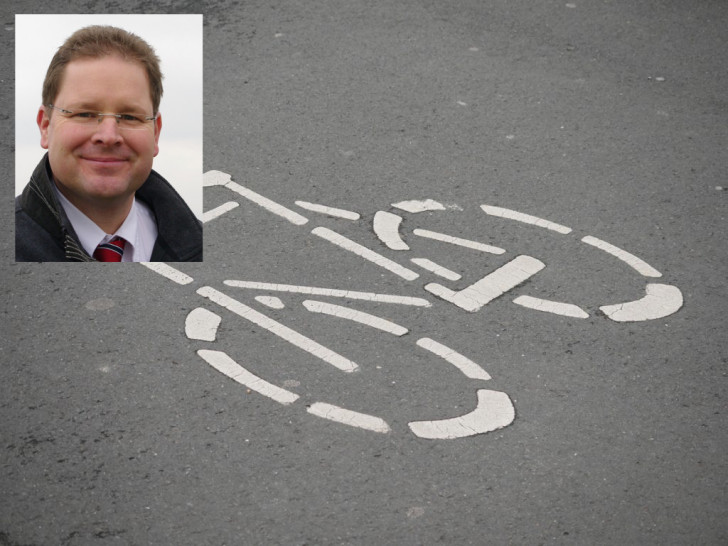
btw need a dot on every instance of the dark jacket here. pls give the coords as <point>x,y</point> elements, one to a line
<point>43,233</point>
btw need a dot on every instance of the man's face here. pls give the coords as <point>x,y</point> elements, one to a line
<point>101,164</point>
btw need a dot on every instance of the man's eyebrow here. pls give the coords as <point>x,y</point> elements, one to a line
<point>126,108</point>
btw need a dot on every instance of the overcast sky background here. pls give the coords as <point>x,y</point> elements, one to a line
<point>177,40</point>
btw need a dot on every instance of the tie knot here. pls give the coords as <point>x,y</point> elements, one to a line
<point>110,251</point>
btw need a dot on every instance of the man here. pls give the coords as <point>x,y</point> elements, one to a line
<point>94,195</point>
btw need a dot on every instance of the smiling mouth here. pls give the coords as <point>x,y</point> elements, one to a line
<point>105,159</point>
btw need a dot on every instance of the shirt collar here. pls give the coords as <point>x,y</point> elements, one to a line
<point>90,235</point>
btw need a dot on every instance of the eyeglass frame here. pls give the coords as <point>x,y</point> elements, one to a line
<point>100,115</point>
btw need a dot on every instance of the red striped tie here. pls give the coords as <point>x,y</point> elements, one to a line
<point>111,251</point>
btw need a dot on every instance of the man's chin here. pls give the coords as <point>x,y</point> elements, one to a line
<point>110,189</point>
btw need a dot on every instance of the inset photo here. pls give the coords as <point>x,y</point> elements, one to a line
<point>108,138</point>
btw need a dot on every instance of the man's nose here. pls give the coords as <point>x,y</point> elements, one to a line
<point>107,130</point>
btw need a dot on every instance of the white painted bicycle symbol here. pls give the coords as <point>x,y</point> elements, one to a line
<point>493,409</point>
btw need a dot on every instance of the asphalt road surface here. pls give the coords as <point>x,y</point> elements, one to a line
<point>567,156</point>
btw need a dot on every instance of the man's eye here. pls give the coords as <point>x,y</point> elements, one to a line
<point>84,115</point>
<point>131,118</point>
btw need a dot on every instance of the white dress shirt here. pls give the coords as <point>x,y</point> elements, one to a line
<point>139,230</point>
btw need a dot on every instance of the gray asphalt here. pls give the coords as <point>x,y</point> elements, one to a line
<point>608,117</point>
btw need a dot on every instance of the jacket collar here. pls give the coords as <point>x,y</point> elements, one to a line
<point>39,201</point>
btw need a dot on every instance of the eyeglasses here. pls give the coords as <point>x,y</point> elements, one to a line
<point>88,118</point>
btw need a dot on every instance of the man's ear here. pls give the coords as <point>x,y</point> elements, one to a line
<point>157,130</point>
<point>43,121</point>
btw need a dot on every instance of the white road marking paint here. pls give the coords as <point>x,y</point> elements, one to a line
<point>275,327</point>
<point>269,205</point>
<point>386,227</point>
<point>362,251</point>
<point>468,367</point>
<point>661,300</point>
<point>525,218</point>
<point>202,324</point>
<point>215,178</point>
<point>419,206</point>
<point>356,316</point>
<point>548,306</point>
<point>223,363</point>
<point>330,211</point>
<point>631,260</point>
<point>458,241</point>
<point>494,410</point>
<point>331,292</point>
<point>431,266</point>
<point>270,301</point>
<point>169,272</point>
<point>219,211</point>
<point>349,417</point>
<point>500,281</point>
